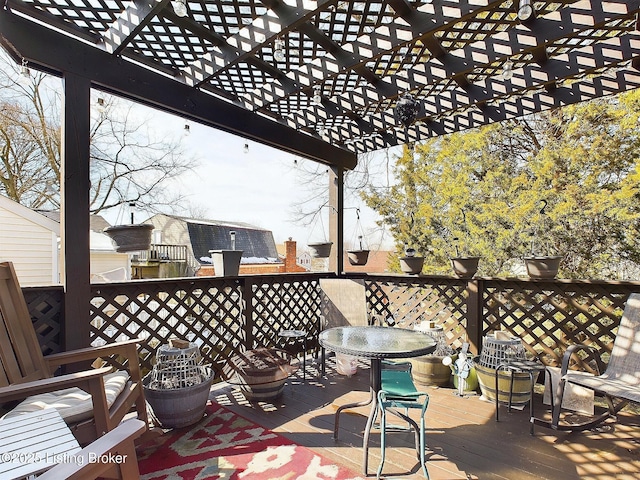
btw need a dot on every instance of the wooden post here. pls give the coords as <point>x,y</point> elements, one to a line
<point>336,219</point>
<point>474,315</point>
<point>74,214</point>
<point>246,284</point>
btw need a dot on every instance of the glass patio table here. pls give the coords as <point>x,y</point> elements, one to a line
<point>376,344</point>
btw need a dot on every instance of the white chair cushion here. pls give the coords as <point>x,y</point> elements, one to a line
<point>73,404</point>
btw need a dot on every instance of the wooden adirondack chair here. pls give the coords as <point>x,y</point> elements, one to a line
<point>620,382</point>
<point>25,374</point>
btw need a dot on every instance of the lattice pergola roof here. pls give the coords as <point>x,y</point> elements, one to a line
<point>254,67</point>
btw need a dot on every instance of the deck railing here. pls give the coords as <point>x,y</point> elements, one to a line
<point>227,315</point>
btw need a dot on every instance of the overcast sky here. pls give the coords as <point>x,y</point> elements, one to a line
<point>258,187</point>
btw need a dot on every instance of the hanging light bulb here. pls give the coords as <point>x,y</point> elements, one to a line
<point>525,10</point>
<point>507,70</point>
<point>246,147</point>
<point>25,74</point>
<point>317,98</point>
<point>278,50</point>
<point>180,7</point>
<point>187,129</point>
<point>100,105</point>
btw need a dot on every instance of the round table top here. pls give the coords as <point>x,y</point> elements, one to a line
<point>377,342</point>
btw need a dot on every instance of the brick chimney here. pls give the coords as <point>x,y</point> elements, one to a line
<point>290,259</point>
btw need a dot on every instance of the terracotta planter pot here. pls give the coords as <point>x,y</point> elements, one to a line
<point>542,267</point>
<point>465,267</point>
<point>130,238</point>
<point>358,257</point>
<point>411,265</point>
<point>320,250</point>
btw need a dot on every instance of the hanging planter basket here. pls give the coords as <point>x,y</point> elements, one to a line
<point>358,257</point>
<point>130,238</point>
<point>411,265</point>
<point>320,250</point>
<point>542,267</point>
<point>465,267</point>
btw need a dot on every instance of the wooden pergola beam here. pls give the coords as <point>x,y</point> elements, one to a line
<point>120,77</point>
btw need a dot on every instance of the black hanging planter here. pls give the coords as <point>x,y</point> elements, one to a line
<point>130,238</point>
<point>358,257</point>
<point>411,265</point>
<point>320,250</point>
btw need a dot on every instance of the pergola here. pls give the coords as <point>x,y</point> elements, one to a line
<point>319,79</point>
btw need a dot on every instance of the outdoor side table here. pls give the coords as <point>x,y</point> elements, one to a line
<point>289,335</point>
<point>34,442</point>
<point>529,367</point>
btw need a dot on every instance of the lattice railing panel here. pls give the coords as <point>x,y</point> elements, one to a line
<point>550,316</point>
<point>285,303</point>
<point>45,307</point>
<point>226,316</point>
<point>410,301</point>
<point>208,312</point>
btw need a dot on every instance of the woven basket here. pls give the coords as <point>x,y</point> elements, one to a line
<point>176,368</point>
<point>496,351</point>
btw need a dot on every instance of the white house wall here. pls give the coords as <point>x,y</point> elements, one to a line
<point>30,241</point>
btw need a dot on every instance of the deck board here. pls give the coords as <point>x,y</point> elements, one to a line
<point>463,438</point>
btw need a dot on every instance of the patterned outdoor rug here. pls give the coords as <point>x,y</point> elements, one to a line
<point>224,445</point>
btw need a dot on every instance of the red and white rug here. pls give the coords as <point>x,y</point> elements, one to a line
<point>224,445</point>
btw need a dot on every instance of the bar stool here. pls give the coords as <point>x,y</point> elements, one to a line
<point>289,335</point>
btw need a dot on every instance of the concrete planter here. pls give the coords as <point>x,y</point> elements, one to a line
<point>226,263</point>
<point>178,407</point>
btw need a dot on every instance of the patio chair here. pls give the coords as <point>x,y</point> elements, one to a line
<point>619,384</point>
<point>398,394</point>
<point>91,402</point>
<point>113,454</point>
<point>343,302</point>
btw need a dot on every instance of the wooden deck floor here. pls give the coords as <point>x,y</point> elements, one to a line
<point>463,438</point>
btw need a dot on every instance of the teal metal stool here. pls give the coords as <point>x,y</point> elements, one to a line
<point>399,393</point>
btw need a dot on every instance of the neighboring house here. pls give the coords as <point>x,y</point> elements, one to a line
<point>200,236</point>
<point>302,258</point>
<point>30,239</point>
